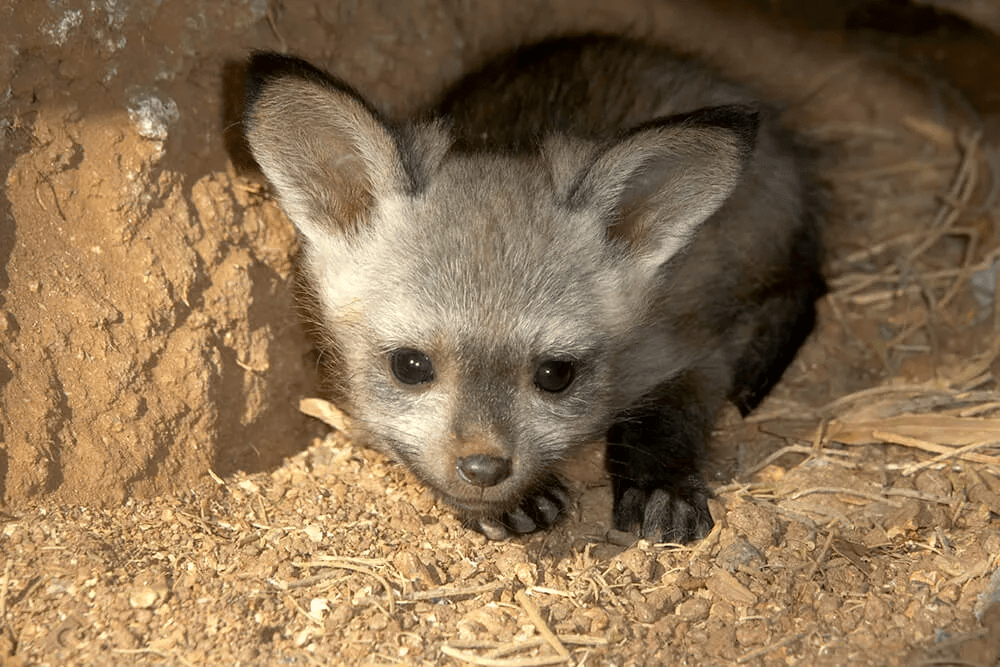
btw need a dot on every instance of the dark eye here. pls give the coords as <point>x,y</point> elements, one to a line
<point>554,375</point>
<point>411,366</point>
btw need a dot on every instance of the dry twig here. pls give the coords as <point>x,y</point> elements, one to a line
<point>541,626</point>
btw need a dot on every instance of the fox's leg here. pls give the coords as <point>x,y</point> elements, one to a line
<point>770,338</point>
<point>655,449</point>
<point>654,454</point>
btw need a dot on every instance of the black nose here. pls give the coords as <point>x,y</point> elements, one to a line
<point>483,470</point>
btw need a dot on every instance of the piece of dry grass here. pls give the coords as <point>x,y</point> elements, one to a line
<point>365,566</point>
<point>505,654</point>
<point>945,456</point>
<point>531,609</point>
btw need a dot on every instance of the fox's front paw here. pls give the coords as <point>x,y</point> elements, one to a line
<point>676,513</point>
<point>536,511</point>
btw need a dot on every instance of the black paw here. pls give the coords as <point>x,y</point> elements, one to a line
<point>536,511</point>
<point>676,513</point>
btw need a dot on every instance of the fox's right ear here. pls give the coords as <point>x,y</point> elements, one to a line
<point>325,150</point>
<point>660,182</point>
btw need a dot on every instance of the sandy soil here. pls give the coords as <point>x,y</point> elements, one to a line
<point>165,502</point>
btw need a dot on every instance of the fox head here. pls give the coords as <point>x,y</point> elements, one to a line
<point>490,310</point>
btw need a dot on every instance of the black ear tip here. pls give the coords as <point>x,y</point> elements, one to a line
<point>268,64</point>
<point>749,123</point>
<point>741,119</point>
<point>260,66</point>
<point>264,66</point>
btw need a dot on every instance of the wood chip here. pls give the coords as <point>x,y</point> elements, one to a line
<point>326,412</point>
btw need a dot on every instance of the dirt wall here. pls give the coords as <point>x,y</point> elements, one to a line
<point>148,330</point>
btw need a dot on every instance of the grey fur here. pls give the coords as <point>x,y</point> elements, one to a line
<point>594,201</point>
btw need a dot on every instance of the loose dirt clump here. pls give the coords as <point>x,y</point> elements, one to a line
<point>165,502</point>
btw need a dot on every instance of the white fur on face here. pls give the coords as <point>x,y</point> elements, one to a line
<point>486,291</point>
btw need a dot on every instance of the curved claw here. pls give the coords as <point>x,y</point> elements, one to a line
<point>677,514</point>
<point>536,511</point>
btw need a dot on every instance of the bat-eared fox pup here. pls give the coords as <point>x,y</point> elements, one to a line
<point>585,239</point>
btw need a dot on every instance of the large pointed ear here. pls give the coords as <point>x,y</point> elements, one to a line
<point>326,151</point>
<point>660,182</point>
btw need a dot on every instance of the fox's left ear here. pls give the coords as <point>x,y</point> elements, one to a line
<point>660,182</point>
<point>329,154</point>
